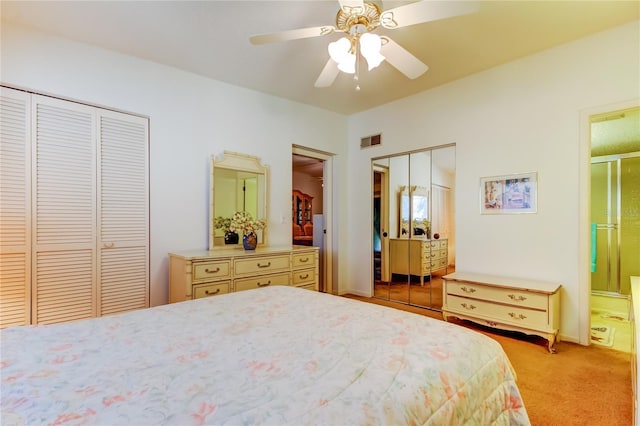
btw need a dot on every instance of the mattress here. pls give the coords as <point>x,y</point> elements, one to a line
<point>275,356</point>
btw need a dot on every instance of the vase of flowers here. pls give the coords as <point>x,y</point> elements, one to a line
<point>242,222</point>
<point>250,241</point>
<point>224,223</point>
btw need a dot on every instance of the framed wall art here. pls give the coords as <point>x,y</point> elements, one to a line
<point>509,194</point>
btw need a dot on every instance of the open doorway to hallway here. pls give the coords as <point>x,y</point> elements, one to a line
<point>311,208</point>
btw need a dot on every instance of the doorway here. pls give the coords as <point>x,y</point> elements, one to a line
<point>311,208</point>
<point>615,217</point>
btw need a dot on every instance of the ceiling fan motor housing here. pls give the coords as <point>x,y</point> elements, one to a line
<point>356,17</point>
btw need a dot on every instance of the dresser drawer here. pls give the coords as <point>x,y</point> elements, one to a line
<point>304,260</point>
<point>263,281</point>
<point>207,271</point>
<point>207,290</point>
<point>501,295</point>
<point>515,315</point>
<point>426,254</point>
<point>304,276</point>
<point>437,245</point>
<point>438,254</point>
<point>308,287</point>
<point>261,265</point>
<point>438,264</point>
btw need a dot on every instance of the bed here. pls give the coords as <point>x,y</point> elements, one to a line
<point>276,356</point>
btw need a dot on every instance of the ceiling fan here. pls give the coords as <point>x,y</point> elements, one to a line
<point>359,19</point>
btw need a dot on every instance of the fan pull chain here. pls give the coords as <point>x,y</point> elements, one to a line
<point>356,75</point>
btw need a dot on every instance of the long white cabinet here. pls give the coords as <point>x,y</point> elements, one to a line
<point>528,306</point>
<point>196,274</point>
<point>74,234</point>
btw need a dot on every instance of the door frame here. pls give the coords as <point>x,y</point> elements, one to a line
<point>329,257</point>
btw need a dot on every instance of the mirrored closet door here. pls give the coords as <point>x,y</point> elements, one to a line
<point>413,233</point>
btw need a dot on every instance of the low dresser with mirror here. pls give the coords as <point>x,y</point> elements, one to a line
<point>239,183</point>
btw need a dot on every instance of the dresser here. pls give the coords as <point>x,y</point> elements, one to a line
<point>527,306</point>
<point>418,256</point>
<point>196,274</point>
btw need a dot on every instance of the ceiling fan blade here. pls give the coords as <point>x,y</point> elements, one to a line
<point>348,5</point>
<point>328,74</point>
<point>425,11</point>
<point>401,59</point>
<point>292,34</point>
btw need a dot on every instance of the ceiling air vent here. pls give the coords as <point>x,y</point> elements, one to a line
<point>370,141</point>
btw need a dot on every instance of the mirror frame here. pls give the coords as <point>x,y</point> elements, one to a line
<point>243,163</point>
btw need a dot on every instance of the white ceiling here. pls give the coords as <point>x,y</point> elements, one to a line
<point>211,38</point>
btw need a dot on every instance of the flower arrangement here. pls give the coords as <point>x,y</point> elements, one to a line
<point>243,222</point>
<point>223,223</point>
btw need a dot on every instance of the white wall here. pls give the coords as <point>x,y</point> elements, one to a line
<point>520,117</point>
<point>191,118</point>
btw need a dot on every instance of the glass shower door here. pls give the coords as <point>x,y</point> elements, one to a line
<point>604,227</point>
<point>629,221</point>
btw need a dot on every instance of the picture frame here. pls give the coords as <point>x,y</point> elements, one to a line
<point>509,194</point>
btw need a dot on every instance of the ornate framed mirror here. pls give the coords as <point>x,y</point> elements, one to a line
<point>239,183</point>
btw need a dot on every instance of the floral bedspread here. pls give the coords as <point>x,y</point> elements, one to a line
<point>274,356</point>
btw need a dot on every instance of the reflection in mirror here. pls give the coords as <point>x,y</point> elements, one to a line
<point>381,228</point>
<point>414,209</point>
<point>413,235</point>
<point>397,258</point>
<point>238,184</point>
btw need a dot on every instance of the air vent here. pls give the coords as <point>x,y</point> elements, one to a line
<point>370,141</point>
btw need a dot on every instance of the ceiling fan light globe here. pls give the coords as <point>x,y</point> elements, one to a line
<point>348,64</point>
<point>339,50</point>
<point>370,45</point>
<point>373,60</point>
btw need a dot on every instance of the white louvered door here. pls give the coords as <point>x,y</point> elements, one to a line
<point>64,211</point>
<point>74,210</point>
<point>123,225</point>
<point>15,169</point>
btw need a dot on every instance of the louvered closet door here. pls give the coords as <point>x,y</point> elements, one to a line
<point>64,211</point>
<point>15,148</point>
<point>123,213</point>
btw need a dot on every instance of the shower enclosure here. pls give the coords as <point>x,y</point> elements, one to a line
<point>615,227</point>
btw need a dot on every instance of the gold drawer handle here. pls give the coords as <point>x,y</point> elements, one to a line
<point>305,260</point>
<point>468,290</point>
<point>517,316</point>
<point>464,305</point>
<point>304,277</point>
<point>516,298</point>
<point>264,266</point>
<point>212,292</point>
<point>264,284</point>
<point>212,272</point>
